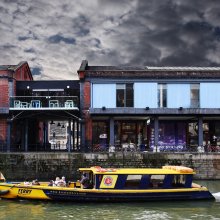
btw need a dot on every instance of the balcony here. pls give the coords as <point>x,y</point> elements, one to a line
<point>44,103</point>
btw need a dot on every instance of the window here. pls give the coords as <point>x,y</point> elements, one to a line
<point>100,135</point>
<point>194,95</point>
<point>133,182</point>
<point>157,181</point>
<point>162,95</point>
<point>124,95</point>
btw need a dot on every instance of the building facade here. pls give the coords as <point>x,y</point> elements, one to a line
<point>111,108</point>
<point>37,115</point>
<point>149,108</point>
<point>9,75</point>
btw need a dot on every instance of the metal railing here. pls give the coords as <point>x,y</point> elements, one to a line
<point>154,149</point>
<point>108,149</point>
<point>42,102</point>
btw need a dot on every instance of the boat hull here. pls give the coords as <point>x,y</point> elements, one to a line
<point>101,195</point>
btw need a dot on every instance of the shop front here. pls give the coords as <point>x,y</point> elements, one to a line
<point>211,135</point>
<point>127,135</point>
<point>142,135</point>
<point>171,136</point>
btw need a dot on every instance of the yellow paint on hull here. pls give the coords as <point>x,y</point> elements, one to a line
<point>25,192</point>
<point>36,192</point>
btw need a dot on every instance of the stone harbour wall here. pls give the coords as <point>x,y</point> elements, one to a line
<point>45,166</point>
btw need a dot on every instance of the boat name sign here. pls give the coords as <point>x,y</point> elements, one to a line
<point>24,191</point>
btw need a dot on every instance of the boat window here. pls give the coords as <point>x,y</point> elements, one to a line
<point>157,180</point>
<point>179,180</point>
<point>133,181</point>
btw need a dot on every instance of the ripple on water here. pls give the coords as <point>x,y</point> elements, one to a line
<point>38,210</point>
<point>153,215</point>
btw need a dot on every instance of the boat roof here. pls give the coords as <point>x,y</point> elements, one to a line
<point>135,171</point>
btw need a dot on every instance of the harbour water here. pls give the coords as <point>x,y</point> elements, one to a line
<point>31,210</point>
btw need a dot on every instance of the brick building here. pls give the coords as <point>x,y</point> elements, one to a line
<point>9,75</point>
<point>148,108</point>
<point>37,115</point>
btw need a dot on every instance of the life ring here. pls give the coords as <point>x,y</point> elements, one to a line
<point>4,192</point>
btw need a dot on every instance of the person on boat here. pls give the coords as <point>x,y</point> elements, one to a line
<point>27,182</point>
<point>85,181</point>
<point>62,182</point>
<point>51,183</point>
<point>56,182</point>
<point>35,182</point>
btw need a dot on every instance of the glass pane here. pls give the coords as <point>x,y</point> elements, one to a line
<point>193,134</point>
<point>129,95</point>
<point>162,95</point>
<point>120,98</point>
<point>120,86</point>
<point>194,95</point>
<point>99,135</point>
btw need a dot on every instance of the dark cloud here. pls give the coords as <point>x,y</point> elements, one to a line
<point>59,34</point>
<point>36,71</point>
<point>8,46</point>
<point>58,38</point>
<point>22,38</point>
<point>30,50</point>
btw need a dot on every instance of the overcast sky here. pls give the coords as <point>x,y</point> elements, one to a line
<point>54,36</point>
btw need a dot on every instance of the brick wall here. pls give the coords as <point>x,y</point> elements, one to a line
<point>86,116</point>
<point>4,93</point>
<point>3,130</point>
<point>45,166</point>
<point>23,73</point>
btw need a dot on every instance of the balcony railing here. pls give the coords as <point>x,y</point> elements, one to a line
<point>43,102</point>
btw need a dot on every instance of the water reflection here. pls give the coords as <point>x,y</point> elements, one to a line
<point>13,210</point>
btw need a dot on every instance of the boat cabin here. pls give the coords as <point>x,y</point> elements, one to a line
<point>147,178</point>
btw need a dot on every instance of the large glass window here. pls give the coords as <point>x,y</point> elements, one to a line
<point>172,136</point>
<point>131,133</point>
<point>193,135</point>
<point>125,95</point>
<point>162,95</point>
<point>194,95</point>
<point>211,135</point>
<point>100,135</point>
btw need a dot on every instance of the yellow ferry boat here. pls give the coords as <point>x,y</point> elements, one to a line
<point>117,185</point>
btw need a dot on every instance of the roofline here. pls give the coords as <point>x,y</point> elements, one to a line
<point>29,72</point>
<point>135,171</point>
<point>150,69</point>
<point>20,64</point>
<point>85,67</point>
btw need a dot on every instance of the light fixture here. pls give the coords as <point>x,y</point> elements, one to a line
<point>67,87</point>
<point>180,108</point>
<point>62,126</point>
<point>103,108</point>
<point>58,124</point>
<point>52,122</point>
<point>28,87</point>
<point>147,108</point>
